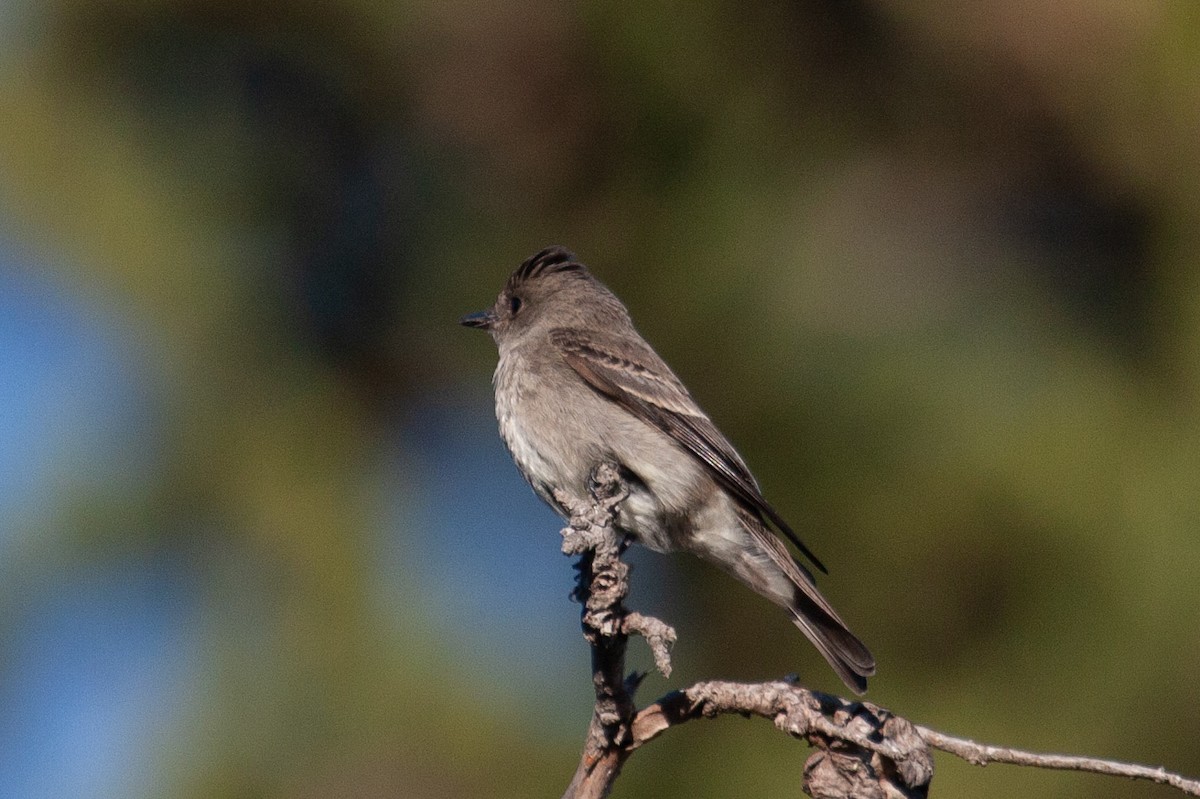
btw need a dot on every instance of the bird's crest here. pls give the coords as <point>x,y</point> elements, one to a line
<point>548,261</point>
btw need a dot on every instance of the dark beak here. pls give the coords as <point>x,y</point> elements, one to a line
<point>480,319</point>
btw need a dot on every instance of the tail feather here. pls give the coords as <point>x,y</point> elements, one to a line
<point>769,571</point>
<point>848,656</point>
<point>810,611</point>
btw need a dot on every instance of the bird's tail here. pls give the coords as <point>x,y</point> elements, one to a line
<point>848,656</point>
<point>773,572</point>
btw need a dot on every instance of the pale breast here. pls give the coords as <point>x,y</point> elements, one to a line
<point>537,429</point>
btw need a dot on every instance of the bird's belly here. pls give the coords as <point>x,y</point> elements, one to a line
<point>558,433</point>
<point>539,464</point>
<point>643,516</point>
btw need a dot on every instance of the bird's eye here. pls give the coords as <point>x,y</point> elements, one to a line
<point>514,305</point>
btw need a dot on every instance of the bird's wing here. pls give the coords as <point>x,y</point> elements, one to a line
<point>637,379</point>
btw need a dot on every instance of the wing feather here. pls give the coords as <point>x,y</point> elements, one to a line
<point>644,385</point>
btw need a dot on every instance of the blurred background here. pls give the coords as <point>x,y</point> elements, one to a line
<point>931,265</point>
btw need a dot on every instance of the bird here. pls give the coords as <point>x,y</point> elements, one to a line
<point>576,385</point>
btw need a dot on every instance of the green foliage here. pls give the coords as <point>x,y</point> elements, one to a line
<point>933,271</point>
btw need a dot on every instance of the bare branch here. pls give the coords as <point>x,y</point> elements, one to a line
<point>658,634</point>
<point>863,751</point>
<point>602,588</point>
<point>982,754</point>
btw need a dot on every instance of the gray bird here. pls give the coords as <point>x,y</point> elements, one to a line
<point>577,385</point>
